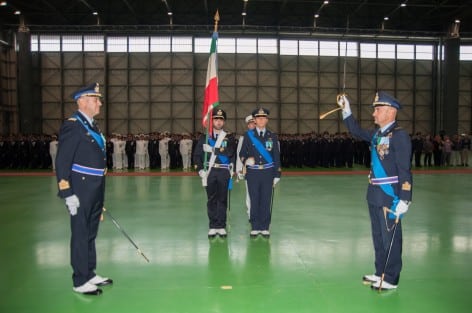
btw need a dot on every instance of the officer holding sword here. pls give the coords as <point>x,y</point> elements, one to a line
<point>389,191</point>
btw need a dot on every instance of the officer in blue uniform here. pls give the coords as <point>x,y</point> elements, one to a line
<point>214,161</point>
<point>80,171</point>
<point>390,184</point>
<point>260,153</point>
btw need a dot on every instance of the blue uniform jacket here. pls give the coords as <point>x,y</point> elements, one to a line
<point>228,149</point>
<point>394,150</point>
<point>270,142</point>
<point>77,146</point>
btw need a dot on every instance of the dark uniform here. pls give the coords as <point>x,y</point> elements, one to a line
<point>218,175</point>
<point>130,149</point>
<point>261,156</point>
<point>80,170</point>
<point>392,148</point>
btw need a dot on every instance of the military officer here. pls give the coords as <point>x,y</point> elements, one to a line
<point>214,161</point>
<point>185,149</point>
<point>164,151</point>
<point>141,152</point>
<point>239,165</point>
<point>260,153</point>
<point>390,185</point>
<point>80,171</point>
<point>53,151</point>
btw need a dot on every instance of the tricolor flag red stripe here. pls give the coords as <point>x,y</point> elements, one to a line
<point>211,87</point>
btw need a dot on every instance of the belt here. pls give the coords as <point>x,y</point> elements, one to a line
<point>383,180</point>
<point>261,166</point>
<point>88,170</point>
<point>218,165</point>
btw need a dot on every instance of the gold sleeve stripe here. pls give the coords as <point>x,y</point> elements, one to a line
<point>406,186</point>
<point>63,184</point>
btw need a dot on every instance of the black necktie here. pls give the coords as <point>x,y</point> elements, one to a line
<point>261,134</point>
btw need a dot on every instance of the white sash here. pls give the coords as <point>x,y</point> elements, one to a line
<point>221,137</point>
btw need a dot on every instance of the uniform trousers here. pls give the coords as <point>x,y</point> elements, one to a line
<point>259,183</point>
<point>186,161</point>
<point>84,227</point>
<point>217,195</point>
<point>382,231</point>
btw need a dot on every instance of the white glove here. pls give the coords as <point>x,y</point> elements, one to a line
<point>276,180</point>
<point>402,207</point>
<point>202,173</point>
<point>343,103</point>
<point>207,148</point>
<point>72,203</point>
<point>240,176</point>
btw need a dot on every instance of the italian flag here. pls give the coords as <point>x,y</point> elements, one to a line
<point>211,87</point>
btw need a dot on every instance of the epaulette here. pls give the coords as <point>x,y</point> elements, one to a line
<point>72,119</point>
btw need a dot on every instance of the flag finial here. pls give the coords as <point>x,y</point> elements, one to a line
<point>217,19</point>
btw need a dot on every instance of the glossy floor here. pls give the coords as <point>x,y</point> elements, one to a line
<point>319,249</point>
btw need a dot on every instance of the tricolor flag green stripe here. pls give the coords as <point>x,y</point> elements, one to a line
<point>211,99</point>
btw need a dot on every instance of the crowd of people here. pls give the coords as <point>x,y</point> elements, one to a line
<point>440,150</point>
<point>165,151</point>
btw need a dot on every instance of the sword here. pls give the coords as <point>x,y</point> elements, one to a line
<point>322,116</point>
<point>125,234</point>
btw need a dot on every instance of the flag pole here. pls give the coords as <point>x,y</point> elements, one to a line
<point>209,124</point>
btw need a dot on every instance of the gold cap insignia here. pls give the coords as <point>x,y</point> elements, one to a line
<point>97,88</point>
<point>376,97</point>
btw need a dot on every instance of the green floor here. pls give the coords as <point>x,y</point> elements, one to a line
<point>319,249</point>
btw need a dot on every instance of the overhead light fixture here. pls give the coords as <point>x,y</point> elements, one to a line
<point>169,13</point>
<point>317,15</point>
<point>403,4</point>
<point>326,2</point>
<point>17,12</point>
<point>386,18</point>
<point>3,3</point>
<point>244,14</point>
<point>95,13</point>
<point>454,29</point>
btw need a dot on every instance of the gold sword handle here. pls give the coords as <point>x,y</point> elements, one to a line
<point>322,116</point>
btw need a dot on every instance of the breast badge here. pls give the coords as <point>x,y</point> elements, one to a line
<point>383,146</point>
<point>269,144</point>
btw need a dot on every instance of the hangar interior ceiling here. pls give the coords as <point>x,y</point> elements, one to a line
<point>404,17</point>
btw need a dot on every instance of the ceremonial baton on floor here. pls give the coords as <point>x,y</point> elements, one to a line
<point>389,248</point>
<point>125,234</point>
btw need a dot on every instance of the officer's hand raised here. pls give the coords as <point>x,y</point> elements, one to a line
<point>344,104</point>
